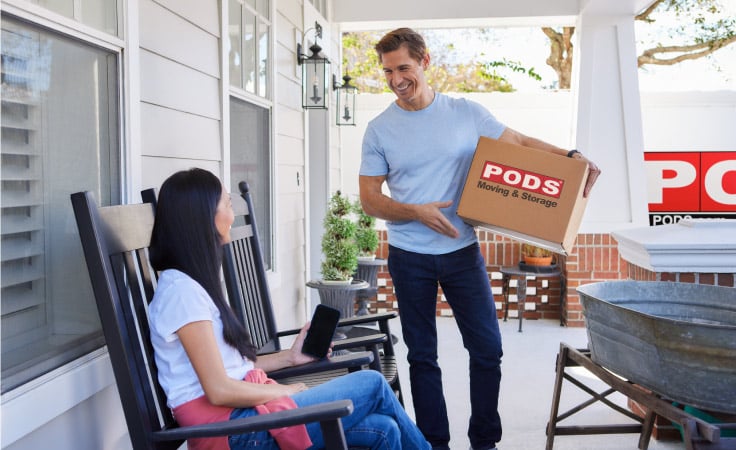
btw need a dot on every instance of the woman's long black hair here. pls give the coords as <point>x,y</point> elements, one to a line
<point>185,238</point>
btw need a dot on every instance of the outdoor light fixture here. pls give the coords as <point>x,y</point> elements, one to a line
<point>346,109</point>
<point>314,73</point>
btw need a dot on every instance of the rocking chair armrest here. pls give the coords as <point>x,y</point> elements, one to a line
<point>348,361</point>
<point>357,320</point>
<point>363,341</point>
<point>290,332</point>
<point>329,411</point>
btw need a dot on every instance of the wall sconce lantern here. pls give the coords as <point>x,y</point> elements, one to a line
<point>345,100</point>
<point>314,73</point>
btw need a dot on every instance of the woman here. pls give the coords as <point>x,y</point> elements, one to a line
<point>206,363</point>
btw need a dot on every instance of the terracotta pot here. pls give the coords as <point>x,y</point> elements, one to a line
<point>538,260</point>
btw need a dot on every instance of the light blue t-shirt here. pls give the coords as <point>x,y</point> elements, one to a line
<point>425,156</point>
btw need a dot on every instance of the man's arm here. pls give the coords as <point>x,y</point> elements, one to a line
<point>376,204</point>
<point>514,137</point>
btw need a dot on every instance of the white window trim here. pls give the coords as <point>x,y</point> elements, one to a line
<point>43,17</point>
<point>273,274</point>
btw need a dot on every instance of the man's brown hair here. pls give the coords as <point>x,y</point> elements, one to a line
<point>393,40</point>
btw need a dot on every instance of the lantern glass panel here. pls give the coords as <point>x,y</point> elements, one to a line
<point>314,83</point>
<point>346,105</point>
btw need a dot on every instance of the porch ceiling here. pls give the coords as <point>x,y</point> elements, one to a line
<point>363,14</point>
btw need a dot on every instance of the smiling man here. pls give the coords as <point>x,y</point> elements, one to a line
<point>421,147</point>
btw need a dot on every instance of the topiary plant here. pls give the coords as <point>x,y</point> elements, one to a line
<point>366,235</point>
<point>338,241</point>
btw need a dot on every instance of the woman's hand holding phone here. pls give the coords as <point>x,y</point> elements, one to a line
<point>318,340</point>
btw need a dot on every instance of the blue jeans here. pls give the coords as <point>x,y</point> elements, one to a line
<point>464,281</point>
<point>378,421</point>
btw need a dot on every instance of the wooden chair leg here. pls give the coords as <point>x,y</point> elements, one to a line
<point>559,370</point>
<point>689,432</point>
<point>646,430</point>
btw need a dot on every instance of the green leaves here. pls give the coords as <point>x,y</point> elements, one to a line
<point>348,232</point>
<point>338,241</point>
<point>366,235</point>
<point>491,70</point>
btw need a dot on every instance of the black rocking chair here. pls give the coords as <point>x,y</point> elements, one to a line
<point>115,241</point>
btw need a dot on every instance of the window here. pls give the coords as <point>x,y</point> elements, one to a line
<point>320,5</point>
<point>249,33</point>
<point>59,135</point>
<point>249,30</point>
<point>250,160</point>
<point>100,14</point>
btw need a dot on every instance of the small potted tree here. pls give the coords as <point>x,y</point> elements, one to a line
<point>337,288</point>
<point>338,241</point>
<point>366,235</point>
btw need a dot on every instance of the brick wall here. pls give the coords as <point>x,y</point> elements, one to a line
<point>594,258</point>
<point>717,279</point>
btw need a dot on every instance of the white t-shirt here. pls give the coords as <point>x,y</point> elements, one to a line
<point>180,300</point>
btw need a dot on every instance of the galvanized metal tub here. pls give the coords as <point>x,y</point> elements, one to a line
<point>677,339</point>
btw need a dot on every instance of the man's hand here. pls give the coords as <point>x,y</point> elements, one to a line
<point>515,137</point>
<point>593,173</point>
<point>430,215</point>
<point>376,204</point>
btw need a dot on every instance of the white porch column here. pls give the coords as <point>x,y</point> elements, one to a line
<point>608,125</point>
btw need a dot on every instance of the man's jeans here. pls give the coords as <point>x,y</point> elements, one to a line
<point>465,284</point>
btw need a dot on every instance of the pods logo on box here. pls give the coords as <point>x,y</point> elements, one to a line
<point>690,184</point>
<point>522,179</point>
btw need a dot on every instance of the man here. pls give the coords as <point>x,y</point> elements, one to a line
<point>422,146</point>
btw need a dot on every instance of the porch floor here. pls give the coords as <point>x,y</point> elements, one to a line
<point>526,389</point>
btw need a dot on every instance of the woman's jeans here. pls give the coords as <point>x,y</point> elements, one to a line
<point>378,421</point>
<point>464,280</point>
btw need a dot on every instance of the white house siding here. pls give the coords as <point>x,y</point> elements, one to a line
<point>180,101</point>
<point>287,282</point>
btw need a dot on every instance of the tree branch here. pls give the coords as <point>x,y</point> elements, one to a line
<point>689,52</point>
<point>644,15</point>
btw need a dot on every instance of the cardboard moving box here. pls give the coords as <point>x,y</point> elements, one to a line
<point>526,194</point>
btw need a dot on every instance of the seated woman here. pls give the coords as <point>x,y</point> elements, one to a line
<point>206,363</point>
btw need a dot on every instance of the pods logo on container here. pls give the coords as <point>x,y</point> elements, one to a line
<point>522,179</point>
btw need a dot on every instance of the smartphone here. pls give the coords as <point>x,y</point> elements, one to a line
<point>320,333</point>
